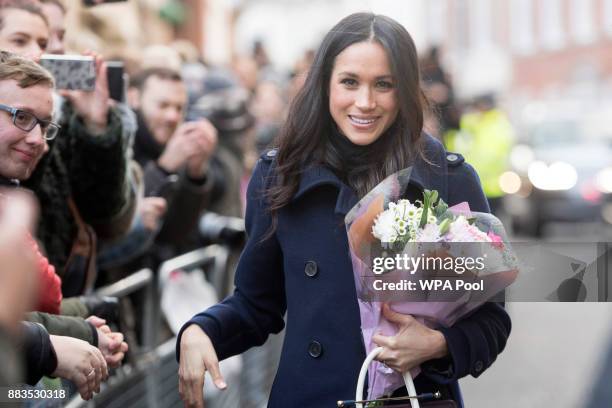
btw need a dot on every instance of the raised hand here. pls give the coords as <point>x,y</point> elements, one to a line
<point>192,144</point>
<point>92,106</point>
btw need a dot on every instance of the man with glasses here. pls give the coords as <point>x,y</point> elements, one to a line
<point>25,120</point>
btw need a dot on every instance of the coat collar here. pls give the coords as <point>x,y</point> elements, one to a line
<point>319,175</point>
<point>424,175</point>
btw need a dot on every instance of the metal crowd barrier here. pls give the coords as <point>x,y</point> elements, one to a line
<point>151,380</point>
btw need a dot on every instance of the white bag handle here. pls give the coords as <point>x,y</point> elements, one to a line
<point>414,402</point>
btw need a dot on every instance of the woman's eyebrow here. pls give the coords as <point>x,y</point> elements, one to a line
<point>349,74</point>
<point>353,75</point>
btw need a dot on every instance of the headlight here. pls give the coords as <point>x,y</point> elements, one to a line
<point>510,182</point>
<point>603,180</point>
<point>557,176</point>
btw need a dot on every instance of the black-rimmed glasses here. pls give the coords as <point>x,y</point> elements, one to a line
<point>27,121</point>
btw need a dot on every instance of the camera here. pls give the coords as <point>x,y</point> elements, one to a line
<point>216,228</point>
<point>227,110</point>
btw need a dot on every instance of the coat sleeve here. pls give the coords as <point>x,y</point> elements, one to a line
<point>40,357</point>
<point>100,179</point>
<point>258,304</point>
<point>11,370</point>
<point>70,326</point>
<point>474,341</point>
<point>186,200</point>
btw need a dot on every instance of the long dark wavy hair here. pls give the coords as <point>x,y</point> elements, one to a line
<point>306,136</point>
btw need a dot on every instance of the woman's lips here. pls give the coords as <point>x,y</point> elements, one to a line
<point>363,122</point>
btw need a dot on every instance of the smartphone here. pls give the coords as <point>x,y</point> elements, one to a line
<point>90,3</point>
<point>71,71</point>
<point>116,80</point>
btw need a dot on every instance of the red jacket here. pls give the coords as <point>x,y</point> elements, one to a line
<point>50,284</point>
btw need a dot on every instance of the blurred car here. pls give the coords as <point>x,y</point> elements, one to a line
<point>562,172</point>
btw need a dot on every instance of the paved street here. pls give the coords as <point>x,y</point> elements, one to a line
<point>550,360</point>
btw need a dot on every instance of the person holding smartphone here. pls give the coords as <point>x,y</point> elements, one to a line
<point>84,176</point>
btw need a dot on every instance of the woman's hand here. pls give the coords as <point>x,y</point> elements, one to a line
<point>81,363</point>
<point>197,356</point>
<point>413,344</point>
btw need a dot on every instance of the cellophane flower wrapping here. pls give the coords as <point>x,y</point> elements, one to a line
<point>375,226</point>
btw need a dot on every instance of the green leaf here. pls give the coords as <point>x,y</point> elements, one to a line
<point>440,209</point>
<point>445,226</point>
<point>433,197</point>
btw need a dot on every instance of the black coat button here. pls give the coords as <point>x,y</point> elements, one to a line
<point>315,349</point>
<point>311,269</point>
<point>478,366</point>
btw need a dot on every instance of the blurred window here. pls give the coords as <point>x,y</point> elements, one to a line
<point>437,12</point>
<point>522,26</point>
<point>607,16</point>
<point>568,133</point>
<point>481,24</point>
<point>582,22</point>
<point>461,24</point>
<point>550,24</point>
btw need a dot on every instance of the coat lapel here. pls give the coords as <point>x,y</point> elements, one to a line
<point>316,176</point>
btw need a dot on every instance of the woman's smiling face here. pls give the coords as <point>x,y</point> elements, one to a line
<point>362,92</point>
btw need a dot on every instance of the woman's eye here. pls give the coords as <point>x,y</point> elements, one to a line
<point>348,81</point>
<point>384,84</point>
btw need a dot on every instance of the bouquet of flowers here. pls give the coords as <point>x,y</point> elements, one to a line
<point>394,242</point>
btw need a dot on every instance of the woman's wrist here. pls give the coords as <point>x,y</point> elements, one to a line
<point>439,348</point>
<point>192,334</point>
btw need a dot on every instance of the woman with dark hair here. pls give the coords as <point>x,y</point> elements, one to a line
<point>357,119</point>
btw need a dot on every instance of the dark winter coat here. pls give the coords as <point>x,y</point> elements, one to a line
<point>90,169</point>
<point>36,347</point>
<point>304,270</point>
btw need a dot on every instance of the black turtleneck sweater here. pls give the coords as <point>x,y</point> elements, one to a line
<point>354,164</point>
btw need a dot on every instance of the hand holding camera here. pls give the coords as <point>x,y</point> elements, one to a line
<point>191,145</point>
<point>205,137</point>
<point>92,105</point>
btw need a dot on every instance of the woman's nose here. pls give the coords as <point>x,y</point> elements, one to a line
<point>365,99</point>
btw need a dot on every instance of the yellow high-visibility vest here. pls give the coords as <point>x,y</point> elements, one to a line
<point>485,140</point>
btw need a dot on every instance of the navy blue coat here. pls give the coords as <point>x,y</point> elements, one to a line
<point>304,269</point>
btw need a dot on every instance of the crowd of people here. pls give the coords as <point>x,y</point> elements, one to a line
<point>94,188</point>
<point>112,186</point>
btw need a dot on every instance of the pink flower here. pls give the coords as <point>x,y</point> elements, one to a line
<point>496,240</point>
